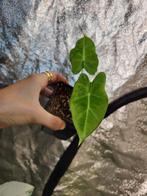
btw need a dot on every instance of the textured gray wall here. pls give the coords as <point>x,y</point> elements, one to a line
<point>38,34</point>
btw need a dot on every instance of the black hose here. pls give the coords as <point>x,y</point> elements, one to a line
<point>126,99</point>
<point>61,167</point>
<point>72,149</point>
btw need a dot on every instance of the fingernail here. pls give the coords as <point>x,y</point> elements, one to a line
<point>50,88</point>
<point>49,91</point>
<point>62,126</point>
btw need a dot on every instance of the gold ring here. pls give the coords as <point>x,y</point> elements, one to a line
<point>49,74</point>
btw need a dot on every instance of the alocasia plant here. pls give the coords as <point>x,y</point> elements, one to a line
<point>89,100</point>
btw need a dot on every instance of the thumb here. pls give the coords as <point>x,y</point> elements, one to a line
<point>49,120</point>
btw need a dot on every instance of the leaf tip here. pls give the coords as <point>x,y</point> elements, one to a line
<point>80,141</point>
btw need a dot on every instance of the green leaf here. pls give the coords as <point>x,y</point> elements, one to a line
<point>84,56</point>
<point>88,104</point>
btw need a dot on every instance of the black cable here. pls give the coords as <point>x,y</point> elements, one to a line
<point>72,149</point>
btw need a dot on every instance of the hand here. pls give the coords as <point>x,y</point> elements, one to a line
<point>19,103</point>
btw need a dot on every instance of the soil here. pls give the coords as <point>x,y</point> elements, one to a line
<point>58,103</point>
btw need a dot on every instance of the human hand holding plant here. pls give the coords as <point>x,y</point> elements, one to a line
<point>19,103</point>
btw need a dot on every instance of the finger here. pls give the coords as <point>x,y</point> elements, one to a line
<point>60,77</point>
<point>40,81</point>
<point>56,77</point>
<point>49,120</point>
<point>47,92</point>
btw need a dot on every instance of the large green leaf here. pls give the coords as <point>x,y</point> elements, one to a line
<point>84,56</point>
<point>88,104</point>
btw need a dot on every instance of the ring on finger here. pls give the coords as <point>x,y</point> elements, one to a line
<point>49,75</point>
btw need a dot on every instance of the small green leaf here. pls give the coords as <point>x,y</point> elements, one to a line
<point>88,104</point>
<point>84,56</point>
